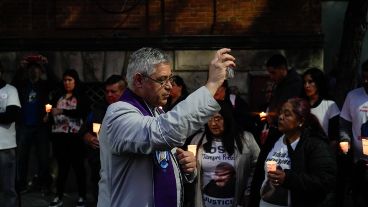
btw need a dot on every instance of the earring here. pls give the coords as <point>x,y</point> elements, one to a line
<point>300,125</point>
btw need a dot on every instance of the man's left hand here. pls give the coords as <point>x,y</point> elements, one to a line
<point>187,160</point>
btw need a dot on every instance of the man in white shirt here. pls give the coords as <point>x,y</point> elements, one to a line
<point>9,111</point>
<point>353,129</point>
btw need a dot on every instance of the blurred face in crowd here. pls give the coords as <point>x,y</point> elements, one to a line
<point>216,125</point>
<point>277,74</point>
<point>310,86</point>
<point>288,120</point>
<point>69,83</point>
<point>157,86</point>
<point>113,92</point>
<point>176,90</point>
<point>35,73</point>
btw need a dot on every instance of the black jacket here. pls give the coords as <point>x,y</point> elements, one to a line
<point>291,86</point>
<point>96,115</point>
<point>312,175</point>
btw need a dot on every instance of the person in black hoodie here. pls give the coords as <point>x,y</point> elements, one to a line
<point>288,84</point>
<point>306,166</point>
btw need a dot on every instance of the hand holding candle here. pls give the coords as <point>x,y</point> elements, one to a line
<point>192,148</point>
<point>48,108</point>
<point>186,160</point>
<point>271,166</point>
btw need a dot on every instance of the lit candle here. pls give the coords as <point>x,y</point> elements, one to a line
<point>365,146</point>
<point>262,115</point>
<point>48,108</point>
<point>192,148</point>
<point>96,127</point>
<point>271,165</point>
<point>344,147</point>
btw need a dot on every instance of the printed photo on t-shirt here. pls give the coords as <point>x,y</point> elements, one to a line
<point>219,177</point>
<point>220,190</point>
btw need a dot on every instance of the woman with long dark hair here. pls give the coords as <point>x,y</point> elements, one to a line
<point>306,167</point>
<point>326,111</point>
<point>69,109</point>
<point>226,158</point>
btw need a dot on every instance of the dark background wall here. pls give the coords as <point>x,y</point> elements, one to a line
<point>131,18</point>
<point>96,36</point>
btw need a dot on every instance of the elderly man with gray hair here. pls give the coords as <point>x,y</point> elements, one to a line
<point>140,163</point>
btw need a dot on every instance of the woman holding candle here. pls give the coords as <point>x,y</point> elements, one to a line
<point>326,111</point>
<point>70,108</point>
<point>226,158</point>
<point>306,167</point>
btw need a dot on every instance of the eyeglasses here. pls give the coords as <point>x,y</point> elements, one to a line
<point>216,119</point>
<point>163,80</point>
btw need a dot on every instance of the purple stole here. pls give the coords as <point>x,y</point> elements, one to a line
<point>164,183</point>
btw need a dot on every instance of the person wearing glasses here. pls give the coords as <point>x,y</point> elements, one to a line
<point>226,159</point>
<point>140,162</point>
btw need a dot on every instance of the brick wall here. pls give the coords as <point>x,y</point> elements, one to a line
<point>100,18</point>
<point>90,36</point>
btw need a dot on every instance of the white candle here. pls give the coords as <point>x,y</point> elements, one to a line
<point>48,108</point>
<point>192,148</point>
<point>271,166</point>
<point>262,115</point>
<point>96,127</point>
<point>365,146</point>
<point>344,147</point>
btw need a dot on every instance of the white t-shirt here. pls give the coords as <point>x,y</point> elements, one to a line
<point>8,96</point>
<point>326,110</point>
<point>355,110</point>
<point>277,196</point>
<point>218,177</point>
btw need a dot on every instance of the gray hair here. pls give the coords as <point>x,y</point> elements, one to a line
<point>144,61</point>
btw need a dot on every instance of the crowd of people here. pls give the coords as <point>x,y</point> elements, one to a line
<point>138,142</point>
